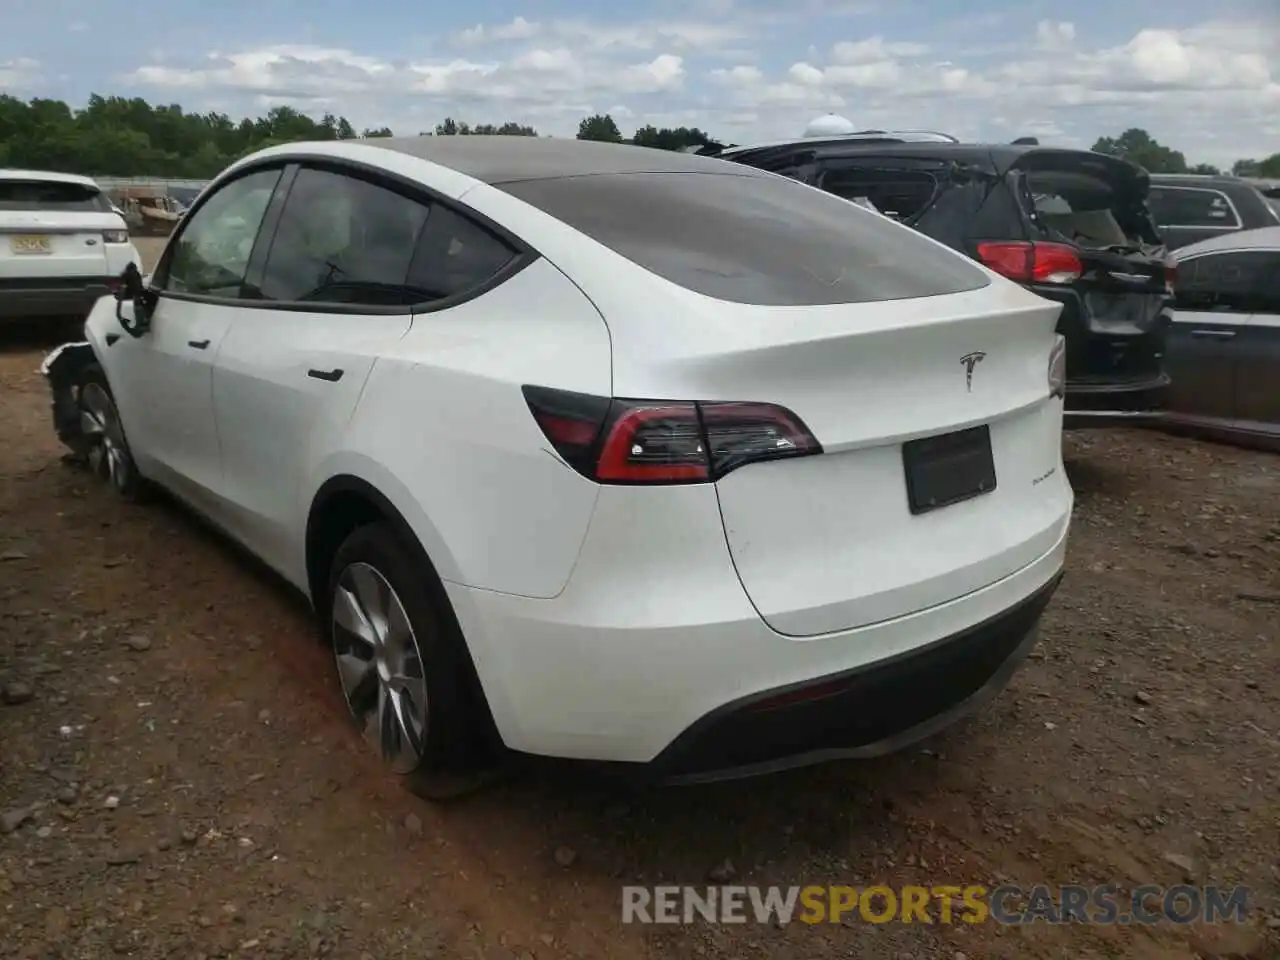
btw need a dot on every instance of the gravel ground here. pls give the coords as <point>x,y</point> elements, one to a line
<point>178,777</point>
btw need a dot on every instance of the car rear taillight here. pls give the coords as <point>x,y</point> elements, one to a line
<point>115,236</point>
<point>1032,262</point>
<point>664,441</point>
<point>1058,367</point>
<point>1170,277</point>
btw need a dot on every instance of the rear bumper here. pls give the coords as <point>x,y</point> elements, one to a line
<point>1105,403</point>
<point>73,296</point>
<point>861,713</point>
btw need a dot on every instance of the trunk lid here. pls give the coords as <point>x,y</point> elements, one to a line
<point>1112,316</point>
<point>829,542</point>
<point>39,244</point>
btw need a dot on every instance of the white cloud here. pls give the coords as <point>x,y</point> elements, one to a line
<point>20,74</point>
<point>874,50</point>
<point>1212,91</point>
<point>1054,35</point>
<point>517,29</point>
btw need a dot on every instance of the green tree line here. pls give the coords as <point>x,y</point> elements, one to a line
<point>127,136</point>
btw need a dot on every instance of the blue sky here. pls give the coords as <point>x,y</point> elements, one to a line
<point>1204,78</point>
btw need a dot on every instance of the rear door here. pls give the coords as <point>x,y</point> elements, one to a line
<point>53,230</point>
<point>1257,393</point>
<point>1188,214</point>
<point>351,255</point>
<point>1208,349</point>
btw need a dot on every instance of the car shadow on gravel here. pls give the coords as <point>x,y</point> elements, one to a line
<point>43,334</point>
<point>1092,478</point>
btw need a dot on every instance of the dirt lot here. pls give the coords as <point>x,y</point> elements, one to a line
<point>178,779</point>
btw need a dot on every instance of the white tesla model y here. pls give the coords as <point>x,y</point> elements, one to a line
<point>591,451</point>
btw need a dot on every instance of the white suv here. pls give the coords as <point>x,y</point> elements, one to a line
<point>591,451</point>
<point>62,244</point>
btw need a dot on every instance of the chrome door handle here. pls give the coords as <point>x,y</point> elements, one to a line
<point>1216,334</point>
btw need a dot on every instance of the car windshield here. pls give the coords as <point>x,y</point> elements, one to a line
<point>752,239</point>
<point>50,195</point>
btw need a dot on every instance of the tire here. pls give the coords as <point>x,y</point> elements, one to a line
<point>403,668</point>
<point>103,441</point>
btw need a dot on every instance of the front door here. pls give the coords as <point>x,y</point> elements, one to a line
<point>333,298</point>
<point>198,287</point>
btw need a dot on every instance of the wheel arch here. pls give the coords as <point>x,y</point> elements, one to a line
<point>63,369</point>
<point>343,502</point>
<point>346,501</point>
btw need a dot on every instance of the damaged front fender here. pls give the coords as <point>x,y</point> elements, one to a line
<point>63,369</point>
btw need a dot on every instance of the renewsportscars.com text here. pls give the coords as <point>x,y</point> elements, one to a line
<point>973,903</point>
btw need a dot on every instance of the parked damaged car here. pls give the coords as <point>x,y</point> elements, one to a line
<point>1224,345</point>
<point>1070,225</point>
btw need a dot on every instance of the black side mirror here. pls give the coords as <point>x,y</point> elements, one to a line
<point>133,290</point>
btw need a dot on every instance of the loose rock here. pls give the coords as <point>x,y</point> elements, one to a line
<point>16,692</point>
<point>722,872</point>
<point>11,820</point>
<point>138,642</point>
<point>566,856</point>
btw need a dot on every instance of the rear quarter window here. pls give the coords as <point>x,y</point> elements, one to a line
<point>1191,207</point>
<point>752,239</point>
<point>51,195</point>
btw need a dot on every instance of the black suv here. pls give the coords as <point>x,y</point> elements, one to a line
<point>1070,225</point>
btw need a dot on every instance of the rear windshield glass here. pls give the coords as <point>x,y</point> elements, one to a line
<point>50,195</point>
<point>751,239</point>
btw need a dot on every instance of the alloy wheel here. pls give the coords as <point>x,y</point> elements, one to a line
<point>100,425</point>
<point>380,666</point>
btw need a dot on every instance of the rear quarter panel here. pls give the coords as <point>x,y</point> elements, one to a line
<point>492,503</point>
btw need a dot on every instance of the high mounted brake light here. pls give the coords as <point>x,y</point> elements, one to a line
<point>664,441</point>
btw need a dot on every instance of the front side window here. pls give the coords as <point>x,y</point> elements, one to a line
<point>1188,207</point>
<point>1233,282</point>
<point>342,240</point>
<point>212,251</point>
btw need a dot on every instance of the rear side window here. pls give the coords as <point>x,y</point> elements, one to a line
<point>455,255</point>
<point>898,193</point>
<point>1191,207</point>
<point>51,195</point>
<point>750,239</point>
<point>342,240</point>
<point>1243,281</point>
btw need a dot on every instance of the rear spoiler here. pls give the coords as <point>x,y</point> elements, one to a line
<point>711,149</point>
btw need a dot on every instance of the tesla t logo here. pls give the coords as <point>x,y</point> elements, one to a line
<point>971,360</point>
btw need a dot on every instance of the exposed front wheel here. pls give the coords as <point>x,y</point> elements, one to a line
<point>102,435</point>
<point>402,668</point>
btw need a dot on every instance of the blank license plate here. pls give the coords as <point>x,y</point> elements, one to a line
<point>24,246</point>
<point>949,468</point>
